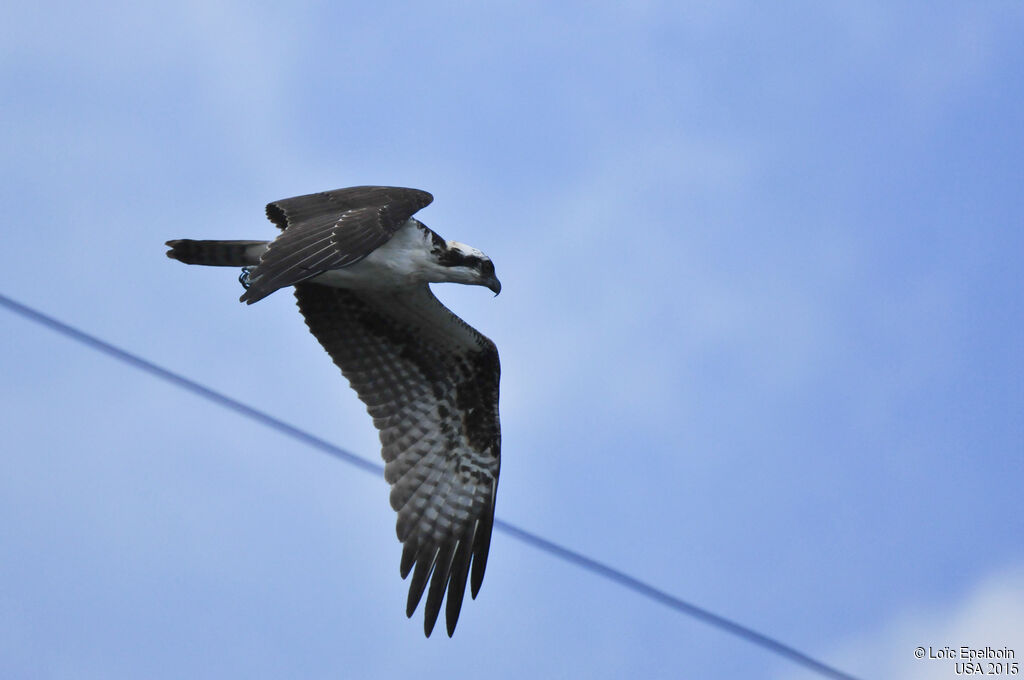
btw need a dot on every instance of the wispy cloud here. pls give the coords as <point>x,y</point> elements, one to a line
<point>991,614</point>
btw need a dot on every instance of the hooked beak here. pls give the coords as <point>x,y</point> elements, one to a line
<point>494,284</point>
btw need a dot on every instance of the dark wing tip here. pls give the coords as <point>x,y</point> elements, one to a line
<point>424,198</point>
<point>276,215</point>
<point>408,558</point>
<point>482,544</point>
<point>438,586</point>
<point>442,575</point>
<point>457,583</point>
<point>424,566</point>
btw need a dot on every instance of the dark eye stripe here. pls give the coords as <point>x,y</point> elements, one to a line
<point>454,258</point>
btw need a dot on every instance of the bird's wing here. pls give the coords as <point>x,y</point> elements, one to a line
<point>430,381</point>
<point>329,230</point>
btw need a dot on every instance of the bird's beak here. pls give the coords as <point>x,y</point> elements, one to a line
<point>494,284</point>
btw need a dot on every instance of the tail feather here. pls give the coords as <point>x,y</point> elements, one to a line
<point>217,253</point>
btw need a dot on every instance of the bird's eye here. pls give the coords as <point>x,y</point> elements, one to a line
<point>487,268</point>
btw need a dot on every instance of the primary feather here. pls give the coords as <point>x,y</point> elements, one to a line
<point>361,264</point>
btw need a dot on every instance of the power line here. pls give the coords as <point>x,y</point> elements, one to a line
<point>554,549</point>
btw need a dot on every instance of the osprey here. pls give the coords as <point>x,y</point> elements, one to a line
<point>360,264</point>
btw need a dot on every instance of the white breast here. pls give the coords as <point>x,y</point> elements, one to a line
<point>404,260</point>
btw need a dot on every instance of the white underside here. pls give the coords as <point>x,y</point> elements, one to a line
<point>404,260</point>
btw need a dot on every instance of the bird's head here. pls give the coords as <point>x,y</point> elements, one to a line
<point>466,264</point>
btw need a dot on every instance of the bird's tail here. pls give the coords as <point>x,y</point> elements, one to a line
<point>217,253</point>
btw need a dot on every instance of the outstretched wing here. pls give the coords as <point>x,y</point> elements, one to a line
<point>329,230</point>
<point>430,381</point>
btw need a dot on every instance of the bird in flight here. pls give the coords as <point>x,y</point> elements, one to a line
<point>360,264</point>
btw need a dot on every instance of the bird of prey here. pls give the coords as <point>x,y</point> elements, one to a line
<point>360,264</point>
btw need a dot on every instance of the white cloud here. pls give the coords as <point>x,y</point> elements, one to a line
<point>990,615</point>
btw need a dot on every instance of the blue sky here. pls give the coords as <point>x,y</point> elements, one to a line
<point>760,330</point>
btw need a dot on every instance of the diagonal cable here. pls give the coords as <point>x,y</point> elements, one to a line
<point>524,536</point>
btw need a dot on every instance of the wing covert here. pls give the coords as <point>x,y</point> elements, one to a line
<point>329,230</point>
<point>430,382</point>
